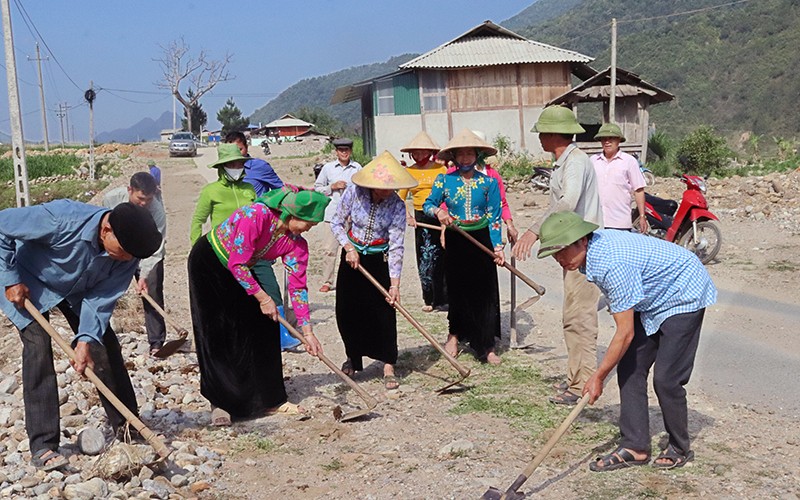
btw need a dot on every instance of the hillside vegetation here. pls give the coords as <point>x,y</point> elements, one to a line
<point>315,93</point>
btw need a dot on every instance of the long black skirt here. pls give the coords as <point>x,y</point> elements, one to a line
<point>367,323</point>
<point>238,348</point>
<point>430,261</point>
<point>474,313</point>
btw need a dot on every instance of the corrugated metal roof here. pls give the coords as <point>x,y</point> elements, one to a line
<point>493,51</point>
<point>288,122</point>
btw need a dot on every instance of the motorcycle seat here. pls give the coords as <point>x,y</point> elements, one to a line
<point>662,206</point>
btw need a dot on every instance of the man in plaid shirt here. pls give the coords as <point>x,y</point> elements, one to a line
<point>658,294</point>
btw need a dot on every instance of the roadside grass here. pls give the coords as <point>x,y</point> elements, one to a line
<point>41,166</point>
<point>333,465</point>
<point>253,442</point>
<point>76,189</point>
<point>783,265</point>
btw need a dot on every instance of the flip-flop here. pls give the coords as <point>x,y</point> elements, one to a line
<point>220,418</point>
<point>390,382</point>
<point>565,398</point>
<point>287,408</point>
<point>677,459</point>
<point>617,459</point>
<point>47,460</point>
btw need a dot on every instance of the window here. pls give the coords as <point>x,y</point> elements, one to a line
<point>434,91</point>
<point>385,90</point>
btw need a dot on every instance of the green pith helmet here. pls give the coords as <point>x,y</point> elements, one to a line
<point>561,230</point>
<point>609,130</point>
<point>557,120</point>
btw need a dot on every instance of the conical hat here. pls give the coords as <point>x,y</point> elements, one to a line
<point>466,139</point>
<point>384,172</point>
<point>421,141</point>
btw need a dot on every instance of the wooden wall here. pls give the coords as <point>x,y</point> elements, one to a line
<point>501,87</point>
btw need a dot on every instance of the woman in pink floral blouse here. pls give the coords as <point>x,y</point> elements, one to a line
<point>234,319</point>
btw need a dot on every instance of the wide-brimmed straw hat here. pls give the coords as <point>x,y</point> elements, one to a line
<point>227,153</point>
<point>561,230</point>
<point>609,130</point>
<point>384,172</point>
<point>466,139</point>
<point>421,141</point>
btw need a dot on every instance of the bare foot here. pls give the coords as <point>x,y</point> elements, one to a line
<point>493,359</point>
<point>451,346</point>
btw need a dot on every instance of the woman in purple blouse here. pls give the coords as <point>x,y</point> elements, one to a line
<point>234,320</point>
<point>370,223</point>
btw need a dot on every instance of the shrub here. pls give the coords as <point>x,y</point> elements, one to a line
<point>660,145</point>
<point>704,153</point>
<point>41,166</point>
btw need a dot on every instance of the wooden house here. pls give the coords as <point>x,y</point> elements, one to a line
<point>488,79</point>
<point>287,126</point>
<point>633,98</point>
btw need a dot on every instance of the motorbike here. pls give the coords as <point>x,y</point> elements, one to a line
<point>689,224</point>
<point>540,180</point>
<point>649,176</point>
<point>265,147</point>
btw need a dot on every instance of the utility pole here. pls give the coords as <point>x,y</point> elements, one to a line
<point>612,102</point>
<point>15,116</point>
<point>174,112</point>
<point>66,121</point>
<point>89,96</point>
<point>41,95</point>
<point>60,114</point>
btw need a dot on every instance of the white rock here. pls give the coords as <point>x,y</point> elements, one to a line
<point>8,385</point>
<point>456,447</point>
<point>91,441</point>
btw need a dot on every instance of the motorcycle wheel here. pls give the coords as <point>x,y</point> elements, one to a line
<point>649,178</point>
<point>541,183</point>
<point>709,240</point>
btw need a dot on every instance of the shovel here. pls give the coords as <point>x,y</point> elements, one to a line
<point>173,345</point>
<point>462,371</point>
<point>512,493</point>
<point>132,419</point>
<point>369,400</point>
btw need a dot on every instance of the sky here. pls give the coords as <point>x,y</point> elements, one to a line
<point>273,44</point>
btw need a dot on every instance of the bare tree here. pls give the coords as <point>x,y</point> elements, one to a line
<point>201,72</point>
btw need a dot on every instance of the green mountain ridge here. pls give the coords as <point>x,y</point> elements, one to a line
<point>732,67</point>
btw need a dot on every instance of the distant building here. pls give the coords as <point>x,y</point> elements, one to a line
<point>287,127</point>
<point>166,134</point>
<point>488,79</point>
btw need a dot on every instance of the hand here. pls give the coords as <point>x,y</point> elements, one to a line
<point>522,249</point>
<point>444,217</point>
<point>338,185</point>
<point>593,387</point>
<point>351,257</point>
<point>411,221</point>
<point>16,294</point>
<point>313,347</point>
<point>499,257</point>
<point>643,225</point>
<point>511,232</point>
<point>268,308</point>
<point>83,358</point>
<point>394,294</point>
<point>141,286</point>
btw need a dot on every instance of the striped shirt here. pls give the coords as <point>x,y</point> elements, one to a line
<point>655,278</point>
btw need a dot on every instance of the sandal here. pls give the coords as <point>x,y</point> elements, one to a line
<point>220,418</point>
<point>390,382</point>
<point>47,460</point>
<point>347,368</point>
<point>562,386</point>
<point>676,459</point>
<point>617,459</point>
<point>565,398</point>
<point>286,408</point>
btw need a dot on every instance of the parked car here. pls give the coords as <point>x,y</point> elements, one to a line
<point>183,144</point>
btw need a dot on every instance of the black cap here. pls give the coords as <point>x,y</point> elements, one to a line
<point>135,230</point>
<point>343,142</point>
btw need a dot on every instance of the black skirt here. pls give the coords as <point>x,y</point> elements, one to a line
<point>430,261</point>
<point>367,323</point>
<point>474,313</point>
<point>238,348</point>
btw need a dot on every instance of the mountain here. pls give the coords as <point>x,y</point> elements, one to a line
<point>146,129</point>
<point>539,12</point>
<point>316,93</point>
<point>733,67</point>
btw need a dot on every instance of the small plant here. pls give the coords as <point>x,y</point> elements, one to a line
<point>782,265</point>
<point>704,153</point>
<point>660,145</point>
<point>333,465</point>
<point>503,144</point>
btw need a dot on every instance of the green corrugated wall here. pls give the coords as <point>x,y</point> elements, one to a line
<point>406,95</point>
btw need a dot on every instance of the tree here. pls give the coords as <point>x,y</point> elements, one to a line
<point>323,121</point>
<point>198,118</point>
<point>203,74</point>
<point>230,116</point>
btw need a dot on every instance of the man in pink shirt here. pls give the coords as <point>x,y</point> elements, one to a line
<point>618,176</point>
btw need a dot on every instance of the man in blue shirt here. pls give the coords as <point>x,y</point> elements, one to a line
<point>79,258</point>
<point>256,171</point>
<point>658,294</point>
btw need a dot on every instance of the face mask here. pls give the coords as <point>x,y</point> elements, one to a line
<point>465,168</point>
<point>234,173</point>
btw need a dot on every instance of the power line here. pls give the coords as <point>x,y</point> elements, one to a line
<point>684,13</point>
<point>101,89</point>
<point>41,38</point>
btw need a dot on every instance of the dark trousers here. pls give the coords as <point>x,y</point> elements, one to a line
<point>673,350</point>
<point>153,321</point>
<point>40,389</point>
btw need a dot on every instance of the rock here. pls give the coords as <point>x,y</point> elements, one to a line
<point>42,489</point>
<point>157,488</point>
<point>458,447</point>
<point>88,490</point>
<point>91,441</point>
<point>13,458</point>
<point>179,480</point>
<point>5,416</point>
<point>24,445</point>
<point>199,486</point>
<point>8,385</point>
<point>68,408</point>
<point>145,474</point>
<point>73,420</point>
